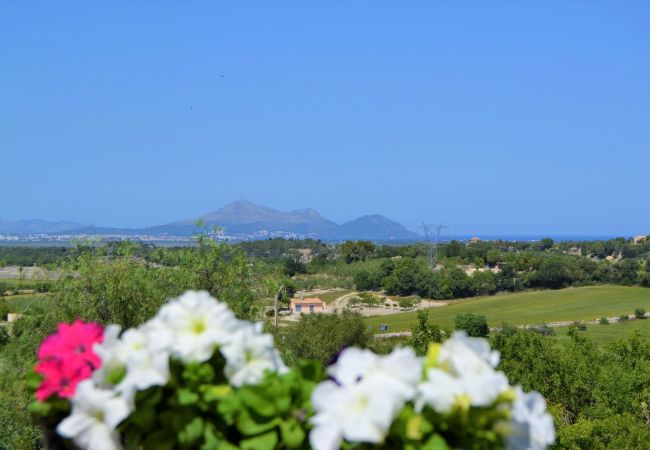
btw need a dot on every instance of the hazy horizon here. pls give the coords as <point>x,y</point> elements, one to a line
<point>500,118</point>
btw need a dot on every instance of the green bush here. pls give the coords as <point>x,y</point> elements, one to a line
<point>425,333</point>
<point>639,313</point>
<point>604,321</point>
<point>322,336</point>
<point>623,318</point>
<point>474,324</point>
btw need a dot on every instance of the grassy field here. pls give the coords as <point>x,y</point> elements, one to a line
<point>25,303</point>
<point>331,296</point>
<point>604,334</point>
<point>534,307</point>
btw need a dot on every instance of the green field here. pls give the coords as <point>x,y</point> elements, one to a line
<point>533,307</point>
<point>25,303</point>
<point>604,334</point>
<point>331,296</point>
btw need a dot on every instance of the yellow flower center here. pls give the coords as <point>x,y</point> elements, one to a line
<point>198,326</point>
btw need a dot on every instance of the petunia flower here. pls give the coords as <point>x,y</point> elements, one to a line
<point>73,341</point>
<point>400,371</point>
<point>198,325</point>
<point>531,427</point>
<point>61,377</point>
<point>360,412</point>
<point>461,372</point>
<point>249,354</point>
<point>365,395</point>
<point>96,413</point>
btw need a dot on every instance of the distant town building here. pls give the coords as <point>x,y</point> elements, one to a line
<point>302,305</point>
<point>639,239</point>
<point>474,240</point>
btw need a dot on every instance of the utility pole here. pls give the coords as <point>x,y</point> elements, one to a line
<point>276,297</point>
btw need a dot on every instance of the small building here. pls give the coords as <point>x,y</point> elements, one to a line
<point>639,239</point>
<point>302,305</point>
<point>474,240</point>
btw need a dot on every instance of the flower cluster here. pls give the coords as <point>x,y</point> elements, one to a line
<point>195,376</point>
<point>457,379</point>
<point>67,358</point>
<point>189,330</point>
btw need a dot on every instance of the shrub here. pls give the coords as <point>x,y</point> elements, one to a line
<point>407,302</point>
<point>639,313</point>
<point>4,310</point>
<point>580,325</point>
<point>604,321</point>
<point>543,329</point>
<point>623,318</point>
<point>425,333</point>
<point>322,336</point>
<point>475,325</point>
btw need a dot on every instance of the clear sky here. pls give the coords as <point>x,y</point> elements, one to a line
<point>489,117</point>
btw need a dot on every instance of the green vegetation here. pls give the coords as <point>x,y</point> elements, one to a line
<point>606,335</point>
<point>599,396</point>
<point>586,303</point>
<point>125,283</point>
<point>473,324</point>
<point>322,336</point>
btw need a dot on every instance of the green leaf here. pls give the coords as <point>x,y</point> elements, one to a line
<point>213,393</point>
<point>38,408</point>
<point>254,398</point>
<point>210,439</point>
<point>292,433</point>
<point>187,397</point>
<point>159,440</point>
<point>144,418</point>
<point>266,441</point>
<point>33,380</point>
<point>192,431</point>
<point>248,426</point>
<point>436,442</point>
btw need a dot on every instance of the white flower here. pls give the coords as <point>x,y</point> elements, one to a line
<point>198,324</point>
<point>463,354</point>
<point>369,391</point>
<point>138,352</point>
<point>359,412</point>
<point>249,354</point>
<point>109,352</point>
<point>145,367</point>
<point>95,415</point>
<point>531,426</point>
<point>463,375</point>
<point>399,371</point>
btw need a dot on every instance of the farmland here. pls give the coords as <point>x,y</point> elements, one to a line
<point>533,307</point>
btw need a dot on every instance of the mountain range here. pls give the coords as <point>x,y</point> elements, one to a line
<point>239,219</point>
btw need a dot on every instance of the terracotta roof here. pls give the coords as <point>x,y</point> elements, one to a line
<point>306,301</point>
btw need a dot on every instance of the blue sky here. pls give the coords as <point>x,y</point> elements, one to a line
<point>490,117</point>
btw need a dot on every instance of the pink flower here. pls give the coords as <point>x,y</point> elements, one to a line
<point>61,378</point>
<point>72,342</point>
<point>67,357</point>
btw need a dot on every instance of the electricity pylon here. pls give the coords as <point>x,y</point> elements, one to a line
<point>432,235</point>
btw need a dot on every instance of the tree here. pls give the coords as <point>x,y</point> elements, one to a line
<point>291,267</point>
<point>404,278</point>
<point>354,251</point>
<point>552,273</point>
<point>473,324</point>
<point>366,280</point>
<point>546,244</point>
<point>425,333</point>
<point>484,283</point>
